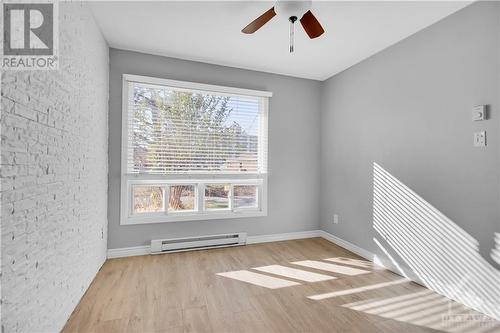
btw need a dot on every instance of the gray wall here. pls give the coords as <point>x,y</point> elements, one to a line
<point>293,149</point>
<point>54,178</point>
<point>408,109</point>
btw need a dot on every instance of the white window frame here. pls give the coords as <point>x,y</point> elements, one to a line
<point>198,179</point>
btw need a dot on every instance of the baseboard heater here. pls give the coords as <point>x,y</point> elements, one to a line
<point>197,243</point>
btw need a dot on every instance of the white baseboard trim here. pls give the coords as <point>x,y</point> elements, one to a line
<point>346,245</point>
<point>145,249</point>
<point>283,237</point>
<point>129,251</point>
<point>142,250</point>
<point>402,270</point>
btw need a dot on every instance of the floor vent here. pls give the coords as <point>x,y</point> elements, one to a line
<point>197,243</point>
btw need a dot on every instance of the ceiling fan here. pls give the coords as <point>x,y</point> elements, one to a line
<point>292,10</point>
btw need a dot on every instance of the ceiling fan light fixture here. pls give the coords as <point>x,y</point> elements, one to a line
<point>289,8</point>
<point>293,11</point>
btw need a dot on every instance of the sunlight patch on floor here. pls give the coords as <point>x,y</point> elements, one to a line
<point>429,309</point>
<point>294,273</point>
<point>354,262</point>
<point>331,267</point>
<point>357,290</point>
<point>259,279</point>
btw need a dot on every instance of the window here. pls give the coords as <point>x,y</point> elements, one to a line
<point>181,198</point>
<point>147,199</point>
<point>245,196</point>
<point>192,151</point>
<point>217,196</point>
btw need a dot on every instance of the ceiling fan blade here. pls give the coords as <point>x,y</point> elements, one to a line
<point>311,25</point>
<point>259,22</point>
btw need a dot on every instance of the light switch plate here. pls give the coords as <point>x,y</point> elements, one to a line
<point>479,112</point>
<point>480,139</point>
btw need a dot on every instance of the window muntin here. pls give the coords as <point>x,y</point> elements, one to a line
<point>167,155</point>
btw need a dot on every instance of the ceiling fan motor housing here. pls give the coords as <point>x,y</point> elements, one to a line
<point>289,9</point>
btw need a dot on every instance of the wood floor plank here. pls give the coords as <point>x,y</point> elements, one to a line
<point>182,292</point>
<point>196,320</point>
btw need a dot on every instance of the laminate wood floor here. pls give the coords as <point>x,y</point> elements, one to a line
<point>308,285</point>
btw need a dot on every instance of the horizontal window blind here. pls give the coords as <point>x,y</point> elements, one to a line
<point>178,130</point>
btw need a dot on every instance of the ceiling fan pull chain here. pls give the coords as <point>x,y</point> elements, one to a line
<point>292,20</point>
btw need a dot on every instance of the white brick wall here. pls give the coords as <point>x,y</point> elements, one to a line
<point>54,178</point>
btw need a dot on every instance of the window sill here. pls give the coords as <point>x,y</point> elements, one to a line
<point>186,217</point>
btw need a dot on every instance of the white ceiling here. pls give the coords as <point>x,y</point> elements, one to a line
<point>209,31</point>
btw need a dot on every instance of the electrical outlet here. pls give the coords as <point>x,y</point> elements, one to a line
<point>102,233</point>
<point>480,139</point>
<point>335,219</point>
